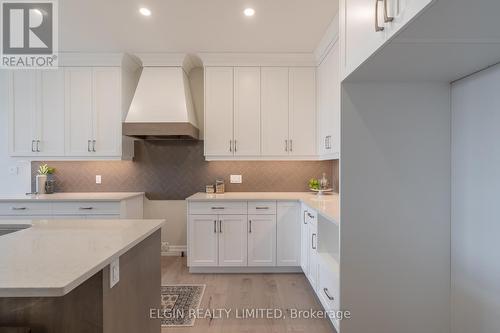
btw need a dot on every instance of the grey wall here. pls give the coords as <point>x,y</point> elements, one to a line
<point>475,203</point>
<point>174,170</point>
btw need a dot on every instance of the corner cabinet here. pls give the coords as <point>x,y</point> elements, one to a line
<point>260,113</point>
<point>363,34</point>
<point>93,111</point>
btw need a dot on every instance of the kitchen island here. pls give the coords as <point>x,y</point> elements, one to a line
<point>55,275</point>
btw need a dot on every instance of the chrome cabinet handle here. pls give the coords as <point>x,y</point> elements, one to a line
<point>220,226</point>
<point>377,27</point>
<point>215,226</point>
<point>325,290</point>
<point>313,238</point>
<point>387,18</point>
<point>250,226</point>
<point>235,146</point>
<point>33,146</point>
<point>93,146</point>
<point>305,220</point>
<point>326,142</point>
<point>231,146</point>
<point>19,208</point>
<point>38,146</point>
<point>291,145</point>
<point>86,208</point>
<point>88,146</point>
<point>311,216</point>
<point>286,145</point>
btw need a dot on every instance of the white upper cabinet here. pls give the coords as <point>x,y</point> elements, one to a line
<point>367,24</point>
<point>329,104</point>
<point>107,115</point>
<point>246,111</point>
<point>219,103</point>
<point>93,112</point>
<point>302,111</point>
<point>275,99</point>
<point>79,111</point>
<point>36,113</point>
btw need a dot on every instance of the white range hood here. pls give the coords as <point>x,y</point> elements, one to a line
<point>162,107</point>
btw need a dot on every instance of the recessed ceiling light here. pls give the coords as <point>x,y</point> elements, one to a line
<point>249,12</point>
<point>144,11</point>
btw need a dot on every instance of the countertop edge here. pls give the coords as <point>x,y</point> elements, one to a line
<point>123,196</point>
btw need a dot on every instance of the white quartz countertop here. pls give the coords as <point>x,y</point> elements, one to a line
<point>52,257</point>
<point>326,205</point>
<point>90,196</point>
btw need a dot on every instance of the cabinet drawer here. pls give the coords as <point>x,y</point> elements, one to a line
<point>86,208</point>
<point>25,208</point>
<point>218,207</point>
<point>328,287</point>
<point>262,207</point>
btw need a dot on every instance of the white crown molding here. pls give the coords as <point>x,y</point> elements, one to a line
<point>74,59</point>
<point>258,59</point>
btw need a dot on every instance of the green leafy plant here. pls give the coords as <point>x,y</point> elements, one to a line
<point>314,184</point>
<point>44,169</point>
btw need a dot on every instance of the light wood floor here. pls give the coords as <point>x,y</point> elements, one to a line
<point>240,291</point>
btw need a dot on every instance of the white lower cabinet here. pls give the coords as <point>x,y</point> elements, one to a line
<point>232,240</point>
<point>261,240</point>
<point>203,240</point>
<point>288,234</point>
<point>312,240</point>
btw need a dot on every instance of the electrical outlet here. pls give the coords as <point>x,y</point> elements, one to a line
<point>114,272</point>
<point>236,179</point>
<point>98,179</point>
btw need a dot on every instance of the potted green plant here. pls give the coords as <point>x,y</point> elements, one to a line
<point>41,179</point>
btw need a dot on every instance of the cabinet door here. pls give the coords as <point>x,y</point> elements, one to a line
<point>22,113</point>
<point>302,114</point>
<point>203,240</point>
<point>329,103</point>
<point>78,111</point>
<point>402,12</point>
<point>313,255</point>
<point>274,103</point>
<point>304,242</point>
<point>288,234</point>
<point>360,38</point>
<point>247,111</point>
<point>261,240</point>
<point>106,112</point>
<point>232,240</point>
<point>219,111</point>
<point>51,112</point>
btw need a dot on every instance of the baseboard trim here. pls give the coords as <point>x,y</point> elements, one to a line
<point>237,270</point>
<point>175,251</point>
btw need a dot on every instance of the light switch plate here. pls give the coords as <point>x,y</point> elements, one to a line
<point>114,272</point>
<point>236,179</point>
<point>98,179</point>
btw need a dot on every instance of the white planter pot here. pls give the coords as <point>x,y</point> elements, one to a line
<point>40,183</point>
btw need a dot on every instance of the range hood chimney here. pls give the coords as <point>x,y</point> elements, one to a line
<point>162,106</point>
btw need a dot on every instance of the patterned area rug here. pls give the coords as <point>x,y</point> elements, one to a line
<point>177,301</point>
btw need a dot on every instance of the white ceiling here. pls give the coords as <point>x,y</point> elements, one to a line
<point>193,25</point>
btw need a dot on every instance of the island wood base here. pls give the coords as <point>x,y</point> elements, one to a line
<point>94,307</point>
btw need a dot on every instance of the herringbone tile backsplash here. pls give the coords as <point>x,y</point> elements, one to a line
<point>174,170</point>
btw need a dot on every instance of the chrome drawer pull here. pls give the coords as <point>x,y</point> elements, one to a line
<point>387,18</point>
<point>377,27</point>
<point>218,208</point>
<point>86,208</point>
<point>261,207</point>
<point>19,208</point>
<point>325,290</point>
